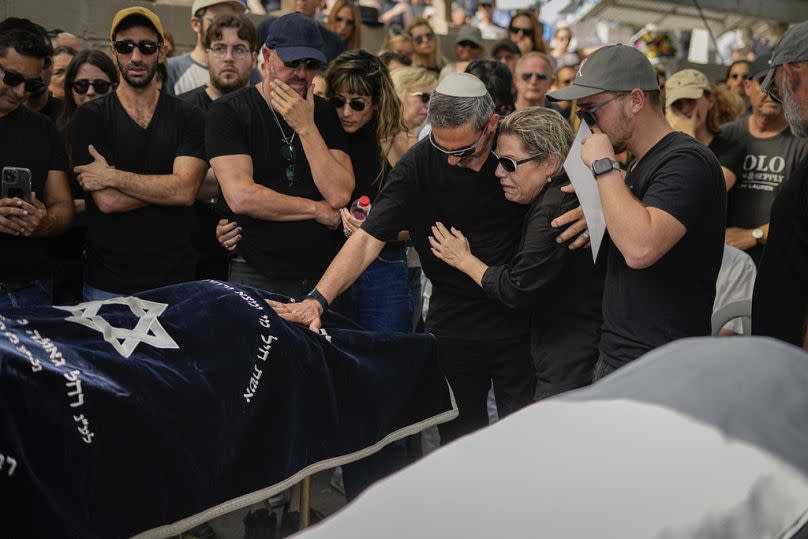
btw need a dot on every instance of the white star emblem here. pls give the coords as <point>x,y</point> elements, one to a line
<point>148,329</point>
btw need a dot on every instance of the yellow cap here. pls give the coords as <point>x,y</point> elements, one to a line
<point>136,10</point>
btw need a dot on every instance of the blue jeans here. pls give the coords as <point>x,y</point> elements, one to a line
<point>242,273</point>
<point>90,293</point>
<point>379,300</point>
<point>38,294</point>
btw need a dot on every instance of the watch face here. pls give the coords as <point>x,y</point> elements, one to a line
<point>601,166</point>
<point>757,233</point>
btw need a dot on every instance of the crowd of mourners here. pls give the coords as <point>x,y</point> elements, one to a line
<point>245,160</point>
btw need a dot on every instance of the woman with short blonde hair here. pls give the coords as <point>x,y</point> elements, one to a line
<point>414,86</point>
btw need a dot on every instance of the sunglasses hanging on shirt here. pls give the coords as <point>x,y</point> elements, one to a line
<point>145,46</point>
<point>82,86</point>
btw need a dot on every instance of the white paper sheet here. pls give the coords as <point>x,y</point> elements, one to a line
<point>587,190</point>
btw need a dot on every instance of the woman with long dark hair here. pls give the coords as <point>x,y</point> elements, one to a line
<point>90,74</point>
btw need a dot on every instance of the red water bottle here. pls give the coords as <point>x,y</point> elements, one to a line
<point>360,208</point>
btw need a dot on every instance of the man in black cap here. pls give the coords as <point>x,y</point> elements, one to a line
<point>36,200</point>
<point>281,159</point>
<point>665,216</point>
<point>140,158</point>
<point>507,52</point>
<point>771,154</point>
<point>780,299</point>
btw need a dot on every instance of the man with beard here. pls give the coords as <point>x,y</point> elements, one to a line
<point>231,41</point>
<point>665,215</point>
<point>140,158</point>
<point>780,299</point>
<point>29,143</point>
<point>771,154</point>
<point>280,155</point>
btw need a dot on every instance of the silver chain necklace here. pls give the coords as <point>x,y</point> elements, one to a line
<point>286,141</point>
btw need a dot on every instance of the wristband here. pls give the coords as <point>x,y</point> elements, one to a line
<point>319,298</point>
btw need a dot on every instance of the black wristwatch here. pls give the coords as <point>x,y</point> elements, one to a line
<point>319,298</point>
<point>602,166</point>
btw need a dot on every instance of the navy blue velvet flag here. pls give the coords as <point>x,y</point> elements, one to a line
<point>151,414</point>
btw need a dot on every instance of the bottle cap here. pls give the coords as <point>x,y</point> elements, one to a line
<point>364,200</point>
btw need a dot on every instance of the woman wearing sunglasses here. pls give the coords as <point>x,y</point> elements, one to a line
<point>426,52</point>
<point>562,288</point>
<point>345,20</point>
<point>527,32</point>
<point>90,74</point>
<point>414,87</point>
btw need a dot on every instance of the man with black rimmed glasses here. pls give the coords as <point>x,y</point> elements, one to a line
<point>190,71</point>
<point>665,216</point>
<point>780,299</point>
<point>449,178</point>
<point>36,202</point>
<point>281,158</point>
<point>139,156</point>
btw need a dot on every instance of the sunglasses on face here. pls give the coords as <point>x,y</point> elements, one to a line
<point>511,164</point>
<point>309,64</point>
<point>14,79</point>
<point>527,32</point>
<point>771,90</point>
<point>146,47</point>
<point>468,44</point>
<point>420,39</point>
<point>590,116</point>
<point>462,152</point>
<point>101,86</point>
<point>425,96</point>
<point>355,103</point>
<point>528,75</point>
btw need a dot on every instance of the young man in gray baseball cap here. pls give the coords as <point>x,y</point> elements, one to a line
<point>665,214</point>
<point>780,299</point>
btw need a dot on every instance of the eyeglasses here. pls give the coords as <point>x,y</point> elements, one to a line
<point>289,153</point>
<point>591,116</point>
<point>528,75</point>
<point>349,22</point>
<point>471,44</point>
<point>527,32</point>
<point>14,79</point>
<point>511,164</point>
<point>309,64</point>
<point>425,96</point>
<point>462,152</point>
<point>420,39</point>
<point>771,90</point>
<point>101,86</point>
<point>355,103</point>
<point>220,51</point>
<point>146,47</point>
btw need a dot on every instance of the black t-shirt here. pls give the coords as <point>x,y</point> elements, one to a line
<point>242,124</point>
<point>780,300</point>
<point>28,140</point>
<point>367,166</point>
<point>53,108</point>
<point>197,97</point>
<point>562,288</point>
<point>151,246</point>
<point>766,165</point>
<point>673,298</point>
<point>423,189</point>
<point>729,153</point>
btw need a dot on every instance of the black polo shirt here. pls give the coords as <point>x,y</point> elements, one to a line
<point>423,189</point>
<point>29,140</point>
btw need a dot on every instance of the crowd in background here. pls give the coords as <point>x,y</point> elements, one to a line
<point>141,162</point>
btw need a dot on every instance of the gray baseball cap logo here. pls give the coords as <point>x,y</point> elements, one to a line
<point>615,68</point>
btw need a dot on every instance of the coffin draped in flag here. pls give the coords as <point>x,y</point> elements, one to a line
<point>151,414</point>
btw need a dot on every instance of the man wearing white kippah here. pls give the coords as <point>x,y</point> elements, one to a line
<point>450,179</point>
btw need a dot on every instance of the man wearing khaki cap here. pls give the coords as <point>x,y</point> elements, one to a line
<point>190,71</point>
<point>690,107</point>
<point>665,215</point>
<point>780,300</point>
<point>468,44</point>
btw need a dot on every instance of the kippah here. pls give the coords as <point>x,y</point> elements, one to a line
<point>461,85</point>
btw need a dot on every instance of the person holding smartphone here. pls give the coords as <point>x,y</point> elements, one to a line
<point>35,201</point>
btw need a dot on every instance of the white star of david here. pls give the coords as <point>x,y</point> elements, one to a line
<point>148,329</point>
